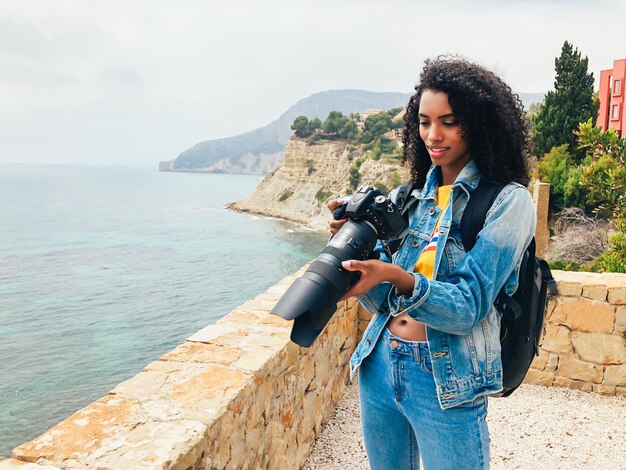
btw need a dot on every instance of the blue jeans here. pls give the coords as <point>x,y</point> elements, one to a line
<point>401,417</point>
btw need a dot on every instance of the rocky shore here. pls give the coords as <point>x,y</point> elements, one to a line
<point>312,174</point>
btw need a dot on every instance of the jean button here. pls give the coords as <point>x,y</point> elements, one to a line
<point>394,344</point>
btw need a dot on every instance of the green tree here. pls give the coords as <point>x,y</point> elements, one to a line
<point>377,124</point>
<point>314,125</point>
<point>349,130</point>
<point>300,126</point>
<point>569,104</point>
<point>334,122</point>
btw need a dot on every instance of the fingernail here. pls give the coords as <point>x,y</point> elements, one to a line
<point>346,264</point>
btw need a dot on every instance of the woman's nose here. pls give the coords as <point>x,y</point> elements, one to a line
<point>434,133</point>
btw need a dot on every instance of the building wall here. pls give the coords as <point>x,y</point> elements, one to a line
<point>612,82</point>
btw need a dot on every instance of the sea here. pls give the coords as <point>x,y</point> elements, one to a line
<point>103,269</point>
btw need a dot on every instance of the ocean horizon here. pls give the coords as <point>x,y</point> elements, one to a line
<point>103,269</point>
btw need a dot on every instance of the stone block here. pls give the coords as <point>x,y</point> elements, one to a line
<point>539,377</point>
<point>212,332</point>
<point>569,288</point>
<point>553,361</point>
<point>562,382</point>
<point>620,391</point>
<point>192,351</point>
<point>156,444</point>
<point>590,316</point>
<point>558,313</point>
<point>617,295</point>
<point>573,384</point>
<point>556,339</point>
<point>164,366</point>
<point>595,292</point>
<point>211,387</point>
<point>620,316</point>
<point>92,430</point>
<point>615,376</point>
<point>541,360</point>
<point>13,464</point>
<point>604,390</point>
<point>599,348</point>
<point>573,368</point>
<point>141,386</point>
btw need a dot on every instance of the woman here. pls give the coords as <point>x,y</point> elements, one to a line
<point>431,353</point>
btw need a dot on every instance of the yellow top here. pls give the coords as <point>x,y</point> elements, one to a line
<point>426,262</point>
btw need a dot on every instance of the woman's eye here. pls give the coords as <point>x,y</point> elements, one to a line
<point>450,123</point>
<point>424,123</point>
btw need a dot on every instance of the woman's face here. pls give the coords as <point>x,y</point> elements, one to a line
<point>440,131</point>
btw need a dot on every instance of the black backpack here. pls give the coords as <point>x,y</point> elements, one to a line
<point>523,312</point>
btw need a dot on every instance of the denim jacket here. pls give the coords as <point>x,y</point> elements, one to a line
<point>462,324</point>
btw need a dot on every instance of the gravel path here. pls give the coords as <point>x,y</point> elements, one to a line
<point>535,428</point>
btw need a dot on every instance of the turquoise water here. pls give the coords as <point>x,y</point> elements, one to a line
<point>104,269</point>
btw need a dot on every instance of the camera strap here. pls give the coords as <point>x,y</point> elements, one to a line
<point>402,196</point>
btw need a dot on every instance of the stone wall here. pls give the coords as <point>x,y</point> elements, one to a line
<point>238,394</point>
<point>584,343</point>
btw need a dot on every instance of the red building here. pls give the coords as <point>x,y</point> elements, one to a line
<point>612,83</point>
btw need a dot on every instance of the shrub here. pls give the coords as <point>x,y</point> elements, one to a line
<point>286,195</point>
<point>388,146</point>
<point>322,195</point>
<point>565,265</point>
<point>354,177</point>
<point>376,150</point>
<point>310,167</point>
<point>558,168</point>
<point>614,260</point>
<point>381,187</point>
<point>395,180</point>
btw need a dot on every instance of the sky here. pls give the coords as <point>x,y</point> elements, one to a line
<point>134,82</point>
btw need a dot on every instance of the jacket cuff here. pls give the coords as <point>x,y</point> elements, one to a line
<point>400,303</point>
<point>375,299</point>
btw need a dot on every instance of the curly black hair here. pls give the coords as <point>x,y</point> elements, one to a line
<point>491,120</point>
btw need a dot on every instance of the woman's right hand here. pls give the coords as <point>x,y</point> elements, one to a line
<point>335,225</point>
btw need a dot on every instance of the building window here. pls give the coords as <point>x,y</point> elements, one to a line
<point>615,112</point>
<point>617,87</point>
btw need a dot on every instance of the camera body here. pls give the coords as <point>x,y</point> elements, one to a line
<point>312,299</point>
<point>371,206</point>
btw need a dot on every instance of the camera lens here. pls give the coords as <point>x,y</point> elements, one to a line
<point>312,299</point>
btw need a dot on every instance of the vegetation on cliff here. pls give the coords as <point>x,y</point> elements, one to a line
<point>260,150</point>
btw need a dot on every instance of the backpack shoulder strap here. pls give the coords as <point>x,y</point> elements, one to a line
<point>403,194</point>
<point>480,201</point>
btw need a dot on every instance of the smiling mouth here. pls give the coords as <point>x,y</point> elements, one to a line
<point>434,149</point>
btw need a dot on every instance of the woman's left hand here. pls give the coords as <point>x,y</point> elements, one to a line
<point>373,272</point>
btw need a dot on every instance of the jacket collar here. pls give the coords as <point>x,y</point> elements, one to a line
<point>467,180</point>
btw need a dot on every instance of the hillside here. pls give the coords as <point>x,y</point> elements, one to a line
<point>313,173</point>
<point>261,150</point>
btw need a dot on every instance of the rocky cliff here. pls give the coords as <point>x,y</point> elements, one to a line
<point>311,174</point>
<point>261,150</point>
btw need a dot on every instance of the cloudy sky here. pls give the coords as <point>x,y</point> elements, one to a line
<point>138,81</point>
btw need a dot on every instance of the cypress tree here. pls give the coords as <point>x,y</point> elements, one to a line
<point>570,103</point>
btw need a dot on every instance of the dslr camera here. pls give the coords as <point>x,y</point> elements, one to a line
<point>312,299</point>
